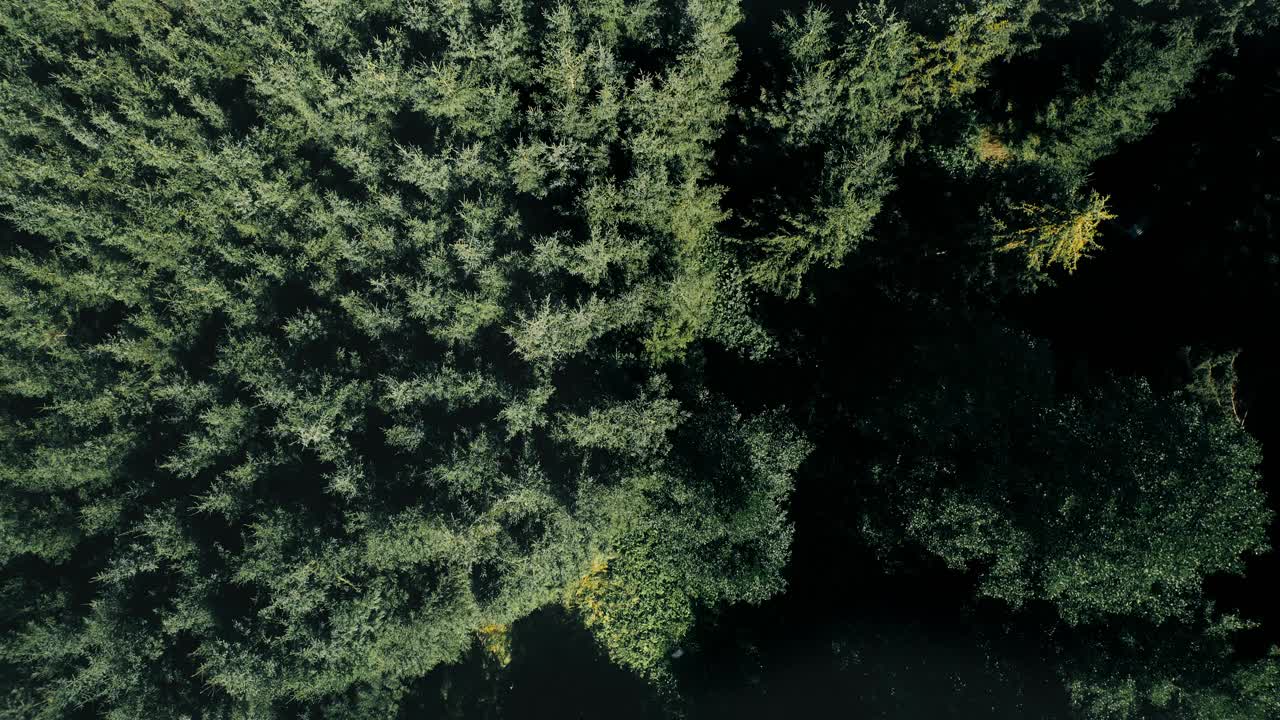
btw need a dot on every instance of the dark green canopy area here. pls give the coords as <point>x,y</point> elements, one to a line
<point>339,336</point>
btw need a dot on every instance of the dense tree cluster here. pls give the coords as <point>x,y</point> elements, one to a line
<point>1115,502</point>
<point>338,337</point>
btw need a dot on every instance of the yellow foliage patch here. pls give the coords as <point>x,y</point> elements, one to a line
<point>1056,236</point>
<point>991,149</point>
<point>588,592</point>
<point>496,639</point>
<point>957,61</point>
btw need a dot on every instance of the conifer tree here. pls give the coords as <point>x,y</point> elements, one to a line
<point>338,337</point>
<point>1115,503</point>
<point>334,338</point>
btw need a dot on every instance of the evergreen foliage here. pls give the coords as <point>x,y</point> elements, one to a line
<point>1115,503</point>
<point>1136,670</point>
<point>336,338</point>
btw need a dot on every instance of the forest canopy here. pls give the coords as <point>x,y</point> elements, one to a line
<point>337,337</point>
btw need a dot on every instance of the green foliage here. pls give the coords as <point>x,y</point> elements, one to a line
<point>682,534</point>
<point>1028,147</point>
<point>337,337</point>
<point>1056,237</point>
<point>1184,671</point>
<point>329,330</point>
<point>1141,80</point>
<point>1115,503</point>
<point>859,101</point>
<point>635,607</point>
